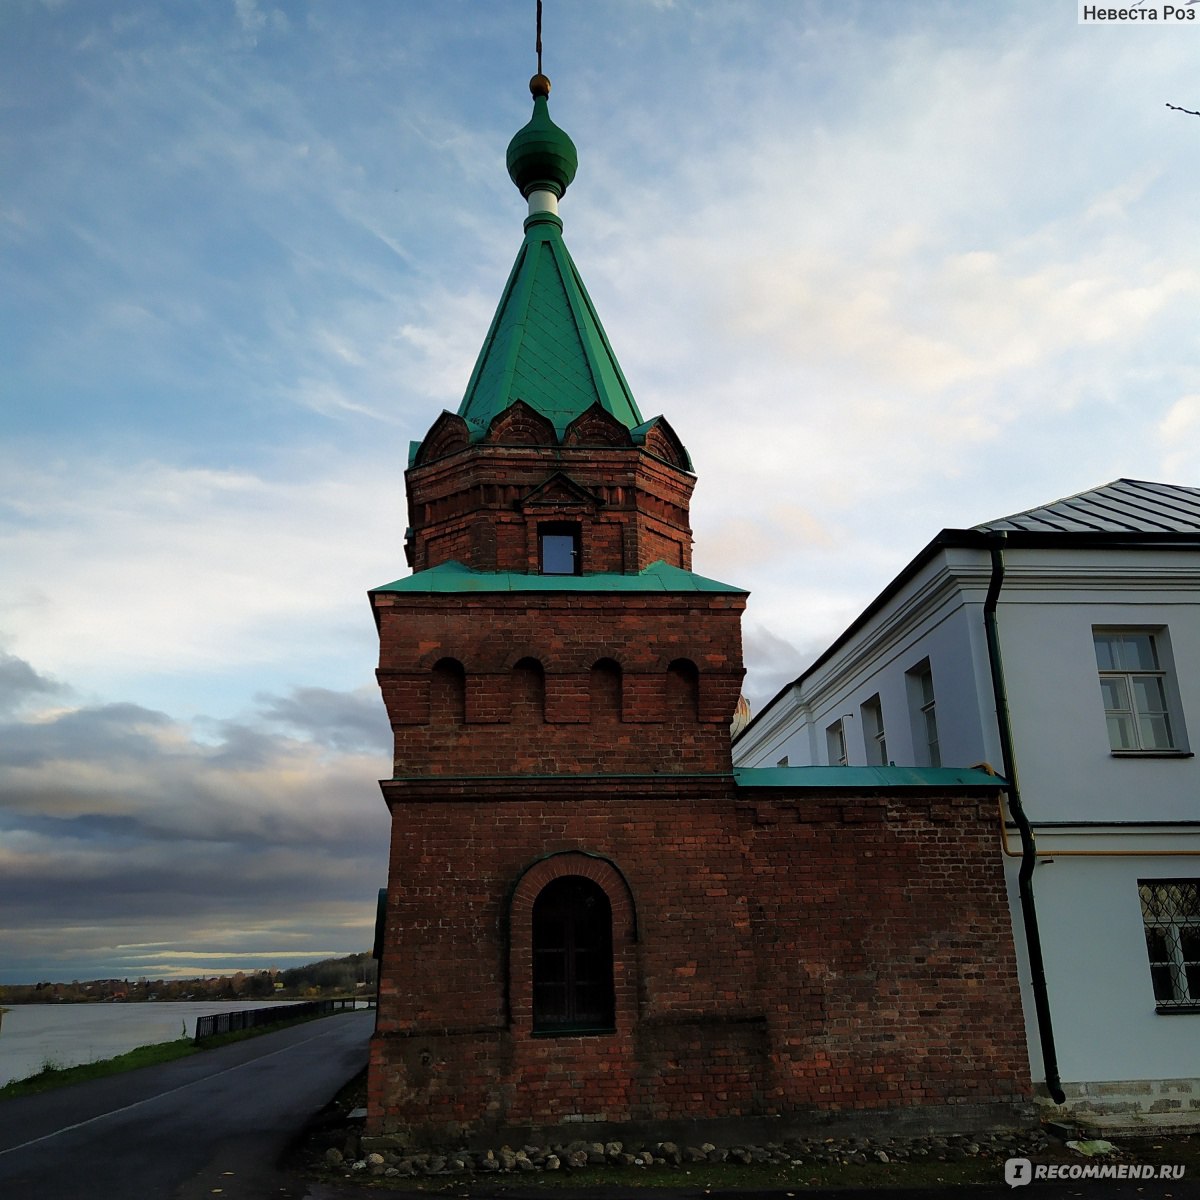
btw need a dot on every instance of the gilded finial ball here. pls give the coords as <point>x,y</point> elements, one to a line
<point>541,157</point>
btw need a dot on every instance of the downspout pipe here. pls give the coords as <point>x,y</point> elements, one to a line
<point>1033,939</point>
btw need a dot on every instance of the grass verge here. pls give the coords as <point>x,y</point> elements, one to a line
<point>52,1076</point>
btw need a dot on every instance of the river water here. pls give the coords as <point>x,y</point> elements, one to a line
<point>32,1035</point>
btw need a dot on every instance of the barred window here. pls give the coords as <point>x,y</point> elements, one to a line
<point>1171,915</point>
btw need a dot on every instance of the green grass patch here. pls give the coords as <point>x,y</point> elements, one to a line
<point>53,1076</point>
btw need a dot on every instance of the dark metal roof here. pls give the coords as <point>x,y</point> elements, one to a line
<point>1123,506</point>
<point>1126,514</point>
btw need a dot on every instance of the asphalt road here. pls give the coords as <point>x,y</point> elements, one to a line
<point>216,1125</point>
<point>211,1125</point>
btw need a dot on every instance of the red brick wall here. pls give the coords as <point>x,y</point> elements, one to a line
<point>887,964</point>
<point>832,952</point>
<point>567,634</point>
<point>480,506</point>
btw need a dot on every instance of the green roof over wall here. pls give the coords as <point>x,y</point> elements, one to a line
<point>546,345</point>
<point>865,778</point>
<point>454,577</point>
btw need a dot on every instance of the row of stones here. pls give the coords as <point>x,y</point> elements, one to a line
<point>580,1155</point>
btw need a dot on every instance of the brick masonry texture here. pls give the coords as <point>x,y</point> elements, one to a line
<point>774,952</point>
<point>481,504</point>
<point>610,683</point>
<point>774,955</point>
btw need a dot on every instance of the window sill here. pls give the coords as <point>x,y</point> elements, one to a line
<point>1170,1010</point>
<point>1152,754</point>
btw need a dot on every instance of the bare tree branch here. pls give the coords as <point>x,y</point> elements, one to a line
<point>1190,111</point>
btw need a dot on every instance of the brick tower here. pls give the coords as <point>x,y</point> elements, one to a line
<point>590,921</point>
<point>560,685</point>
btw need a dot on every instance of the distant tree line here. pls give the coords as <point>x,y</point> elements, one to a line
<point>353,975</point>
<point>343,976</point>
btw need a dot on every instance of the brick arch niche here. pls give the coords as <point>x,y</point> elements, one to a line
<point>529,886</point>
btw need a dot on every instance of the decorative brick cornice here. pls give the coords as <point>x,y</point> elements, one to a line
<point>491,789</point>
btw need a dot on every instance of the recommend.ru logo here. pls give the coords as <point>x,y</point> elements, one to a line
<point>1018,1172</point>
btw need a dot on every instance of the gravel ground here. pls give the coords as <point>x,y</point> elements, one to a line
<point>333,1149</point>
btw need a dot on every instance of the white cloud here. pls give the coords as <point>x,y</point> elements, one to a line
<point>1179,435</point>
<point>131,830</point>
<point>152,568</point>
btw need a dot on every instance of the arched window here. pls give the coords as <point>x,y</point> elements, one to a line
<point>529,692</point>
<point>572,958</point>
<point>448,692</point>
<point>683,688</point>
<point>604,686</point>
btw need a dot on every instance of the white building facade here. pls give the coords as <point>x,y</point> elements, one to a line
<point>1061,646</point>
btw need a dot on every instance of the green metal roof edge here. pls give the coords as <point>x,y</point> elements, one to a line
<point>452,577</point>
<point>638,434</point>
<point>656,776</point>
<point>595,360</point>
<point>824,779</point>
<point>865,778</point>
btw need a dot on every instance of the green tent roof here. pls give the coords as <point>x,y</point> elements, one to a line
<point>546,345</point>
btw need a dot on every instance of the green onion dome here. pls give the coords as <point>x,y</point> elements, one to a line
<point>541,157</point>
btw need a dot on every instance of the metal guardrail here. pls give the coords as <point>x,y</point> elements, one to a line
<point>252,1018</point>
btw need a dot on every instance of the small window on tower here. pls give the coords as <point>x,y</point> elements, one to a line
<point>558,548</point>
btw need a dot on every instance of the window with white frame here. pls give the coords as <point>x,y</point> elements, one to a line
<point>835,742</point>
<point>923,706</point>
<point>873,735</point>
<point>1135,686</point>
<point>1171,915</point>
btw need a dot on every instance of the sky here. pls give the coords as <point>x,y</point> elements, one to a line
<point>885,268</point>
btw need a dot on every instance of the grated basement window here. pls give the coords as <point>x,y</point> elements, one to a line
<point>1171,915</point>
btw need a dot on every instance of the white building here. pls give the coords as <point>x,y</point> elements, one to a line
<point>1061,646</point>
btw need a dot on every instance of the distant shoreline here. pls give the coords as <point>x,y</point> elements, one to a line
<point>17,1001</point>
